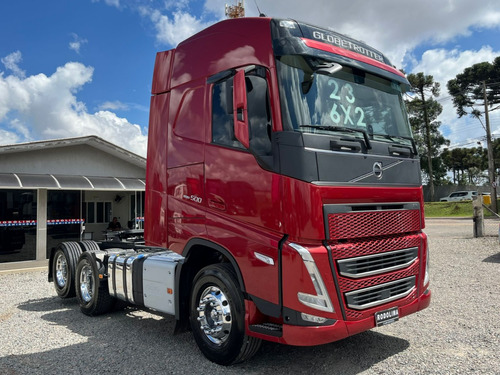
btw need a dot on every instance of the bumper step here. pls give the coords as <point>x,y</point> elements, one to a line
<point>271,329</point>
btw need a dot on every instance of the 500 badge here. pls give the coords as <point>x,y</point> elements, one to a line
<point>193,198</point>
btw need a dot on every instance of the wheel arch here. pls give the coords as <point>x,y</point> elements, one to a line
<point>198,254</point>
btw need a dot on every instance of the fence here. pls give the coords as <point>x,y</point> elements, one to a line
<point>485,226</point>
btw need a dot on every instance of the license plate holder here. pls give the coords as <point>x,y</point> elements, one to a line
<point>385,317</point>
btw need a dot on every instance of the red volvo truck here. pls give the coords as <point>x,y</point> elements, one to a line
<point>283,195</point>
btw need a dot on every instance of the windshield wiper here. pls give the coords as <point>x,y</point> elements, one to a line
<point>342,129</point>
<point>395,138</point>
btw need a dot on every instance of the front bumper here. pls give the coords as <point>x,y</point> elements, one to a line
<point>318,335</point>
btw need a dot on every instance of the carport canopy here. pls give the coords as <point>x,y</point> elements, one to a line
<point>67,182</point>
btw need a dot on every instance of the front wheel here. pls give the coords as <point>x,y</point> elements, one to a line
<point>217,316</point>
<point>92,293</point>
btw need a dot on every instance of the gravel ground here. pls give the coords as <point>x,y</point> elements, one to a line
<point>458,334</point>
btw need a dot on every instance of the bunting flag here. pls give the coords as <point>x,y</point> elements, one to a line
<point>22,223</point>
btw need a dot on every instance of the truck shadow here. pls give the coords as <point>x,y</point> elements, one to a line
<point>134,341</point>
<point>495,258</point>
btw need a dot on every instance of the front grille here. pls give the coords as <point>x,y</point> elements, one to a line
<point>356,221</point>
<point>375,264</point>
<point>374,249</point>
<point>377,295</point>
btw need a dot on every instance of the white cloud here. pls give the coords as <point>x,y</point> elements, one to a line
<point>115,3</point>
<point>113,106</point>
<point>49,108</point>
<point>175,22</point>
<point>171,30</point>
<point>444,65</point>
<point>8,138</point>
<point>11,62</point>
<point>77,43</point>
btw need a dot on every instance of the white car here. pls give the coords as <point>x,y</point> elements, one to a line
<point>458,196</point>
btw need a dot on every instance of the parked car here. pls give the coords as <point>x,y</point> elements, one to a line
<point>458,196</point>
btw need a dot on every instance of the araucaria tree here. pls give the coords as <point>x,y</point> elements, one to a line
<point>423,111</point>
<point>475,92</point>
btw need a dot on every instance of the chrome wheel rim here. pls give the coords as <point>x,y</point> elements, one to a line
<point>86,283</point>
<point>214,315</point>
<point>61,271</point>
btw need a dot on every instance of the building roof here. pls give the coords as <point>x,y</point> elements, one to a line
<point>82,163</point>
<point>91,140</point>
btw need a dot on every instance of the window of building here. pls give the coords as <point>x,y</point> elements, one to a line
<point>17,225</point>
<point>97,212</point>
<point>137,210</point>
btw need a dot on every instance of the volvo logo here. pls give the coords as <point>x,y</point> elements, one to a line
<point>378,170</point>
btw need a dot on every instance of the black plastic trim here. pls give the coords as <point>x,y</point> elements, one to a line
<point>266,307</point>
<point>280,271</point>
<point>310,157</point>
<point>262,329</point>
<point>138,280</point>
<point>113,275</point>
<point>294,317</point>
<point>202,242</point>
<point>336,281</point>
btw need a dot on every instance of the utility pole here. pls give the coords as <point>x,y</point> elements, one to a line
<point>491,161</point>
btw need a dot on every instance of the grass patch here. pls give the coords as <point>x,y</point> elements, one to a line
<point>448,209</point>
<point>452,209</point>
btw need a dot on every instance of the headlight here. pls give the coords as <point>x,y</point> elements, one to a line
<point>426,277</point>
<point>320,301</point>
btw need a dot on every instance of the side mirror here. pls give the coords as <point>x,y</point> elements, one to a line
<point>240,109</point>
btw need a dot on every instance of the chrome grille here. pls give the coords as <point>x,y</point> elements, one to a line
<point>378,295</point>
<point>375,264</point>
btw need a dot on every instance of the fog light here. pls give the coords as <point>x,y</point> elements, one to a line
<point>312,318</point>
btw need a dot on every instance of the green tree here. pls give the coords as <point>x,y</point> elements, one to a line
<point>467,164</point>
<point>467,88</point>
<point>473,92</point>
<point>423,111</point>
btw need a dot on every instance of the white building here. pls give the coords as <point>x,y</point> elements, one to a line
<point>65,189</point>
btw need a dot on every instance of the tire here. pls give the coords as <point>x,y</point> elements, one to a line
<point>63,268</point>
<point>89,245</point>
<point>91,291</point>
<point>217,316</point>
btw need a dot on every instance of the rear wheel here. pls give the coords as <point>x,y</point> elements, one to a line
<point>217,312</point>
<point>92,292</point>
<point>63,268</point>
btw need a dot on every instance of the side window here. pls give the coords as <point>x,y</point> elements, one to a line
<point>259,113</point>
<point>222,114</point>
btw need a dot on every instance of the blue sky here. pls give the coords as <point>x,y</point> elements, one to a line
<point>79,67</point>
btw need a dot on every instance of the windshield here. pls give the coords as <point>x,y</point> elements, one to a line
<point>317,98</point>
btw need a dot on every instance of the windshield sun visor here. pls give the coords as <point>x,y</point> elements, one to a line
<point>296,38</point>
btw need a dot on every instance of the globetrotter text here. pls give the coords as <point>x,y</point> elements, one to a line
<point>347,44</point>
